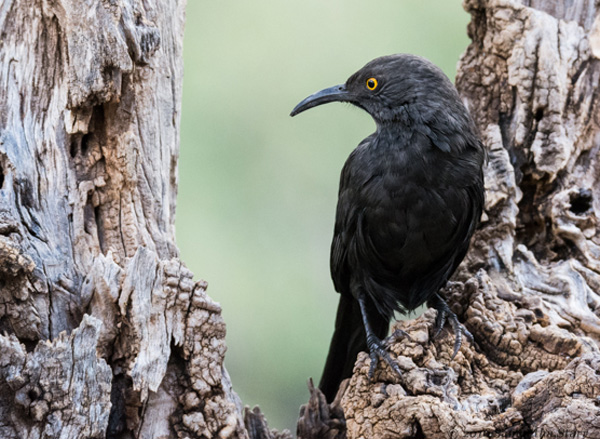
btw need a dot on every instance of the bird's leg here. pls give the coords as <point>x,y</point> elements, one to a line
<point>445,313</point>
<point>440,321</point>
<point>374,343</point>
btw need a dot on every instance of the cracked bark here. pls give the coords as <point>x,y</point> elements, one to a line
<point>529,290</point>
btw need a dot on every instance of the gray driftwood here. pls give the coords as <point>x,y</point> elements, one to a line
<point>529,290</point>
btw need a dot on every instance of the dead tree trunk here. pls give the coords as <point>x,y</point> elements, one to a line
<point>104,332</point>
<point>529,290</point>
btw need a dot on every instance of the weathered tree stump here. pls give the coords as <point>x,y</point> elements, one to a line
<point>105,334</point>
<point>529,290</point>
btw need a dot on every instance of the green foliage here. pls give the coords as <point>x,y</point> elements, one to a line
<point>258,189</point>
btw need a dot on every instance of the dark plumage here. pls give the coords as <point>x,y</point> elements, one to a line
<point>410,198</point>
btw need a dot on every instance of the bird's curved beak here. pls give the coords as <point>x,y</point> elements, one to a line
<point>337,93</point>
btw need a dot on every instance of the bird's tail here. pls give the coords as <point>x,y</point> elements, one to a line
<point>349,338</point>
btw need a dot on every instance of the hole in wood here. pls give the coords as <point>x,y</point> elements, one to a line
<point>85,142</point>
<point>96,129</point>
<point>97,121</point>
<point>581,202</point>
<point>418,431</point>
<point>539,114</point>
<point>88,216</point>
<point>33,394</point>
<point>74,147</point>
<point>99,228</point>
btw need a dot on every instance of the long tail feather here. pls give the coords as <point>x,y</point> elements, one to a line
<point>349,338</point>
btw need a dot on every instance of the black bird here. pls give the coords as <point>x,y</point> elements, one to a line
<point>410,198</point>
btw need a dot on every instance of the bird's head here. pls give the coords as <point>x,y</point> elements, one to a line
<point>391,87</point>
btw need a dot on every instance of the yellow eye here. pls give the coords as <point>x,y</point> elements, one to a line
<point>371,83</point>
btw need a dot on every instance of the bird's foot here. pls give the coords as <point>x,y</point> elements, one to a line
<point>377,351</point>
<point>400,333</point>
<point>394,336</point>
<point>374,343</point>
<point>446,314</point>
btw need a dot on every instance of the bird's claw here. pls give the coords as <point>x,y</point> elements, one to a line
<point>377,351</point>
<point>445,314</point>
<point>459,329</point>
<point>440,321</point>
<point>397,334</point>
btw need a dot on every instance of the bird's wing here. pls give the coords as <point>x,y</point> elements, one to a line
<point>343,230</point>
<point>464,207</point>
<point>346,217</point>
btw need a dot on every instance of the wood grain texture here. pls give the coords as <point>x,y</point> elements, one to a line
<point>529,289</point>
<point>104,331</point>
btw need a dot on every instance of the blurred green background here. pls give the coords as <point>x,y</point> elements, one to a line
<point>258,189</point>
